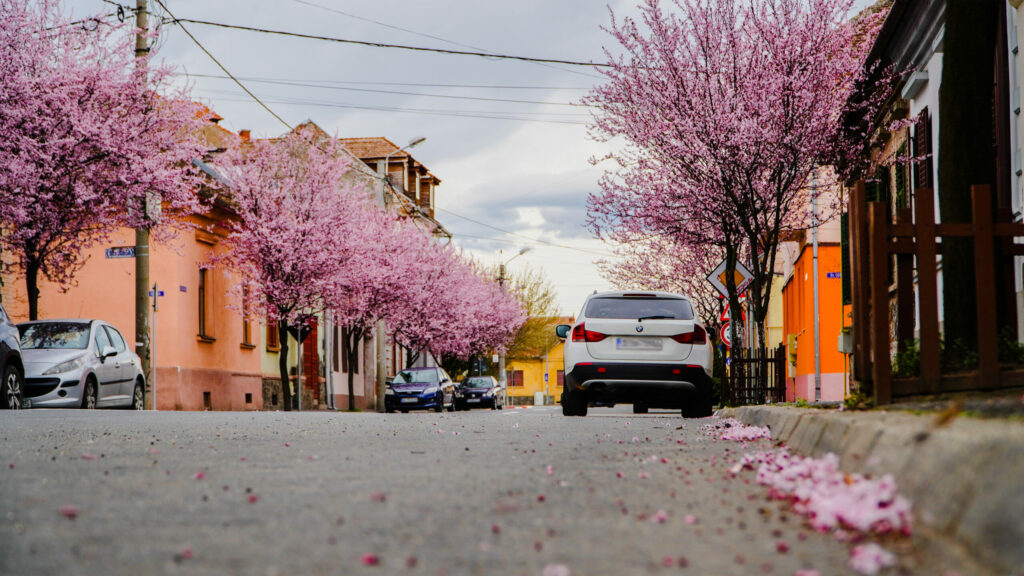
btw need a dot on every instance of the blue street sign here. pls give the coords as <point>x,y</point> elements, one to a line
<point>833,275</point>
<point>160,293</point>
<point>545,376</point>
<point>121,252</point>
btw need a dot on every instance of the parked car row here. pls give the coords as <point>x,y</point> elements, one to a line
<point>67,363</point>
<point>431,388</point>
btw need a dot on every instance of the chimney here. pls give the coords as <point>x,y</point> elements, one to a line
<point>244,135</point>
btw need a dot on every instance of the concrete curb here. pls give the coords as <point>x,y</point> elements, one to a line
<point>966,480</point>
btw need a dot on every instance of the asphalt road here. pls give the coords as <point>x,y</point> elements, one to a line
<point>115,492</point>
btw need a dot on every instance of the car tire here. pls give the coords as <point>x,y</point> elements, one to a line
<point>389,410</point>
<point>404,411</point>
<point>699,406</point>
<point>89,394</point>
<point>138,397</point>
<point>439,407</point>
<point>639,409</point>
<point>574,404</point>
<point>12,388</point>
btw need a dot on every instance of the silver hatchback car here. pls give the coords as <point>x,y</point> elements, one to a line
<point>79,363</point>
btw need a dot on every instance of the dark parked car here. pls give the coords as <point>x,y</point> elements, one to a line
<point>420,389</point>
<point>12,371</point>
<point>479,392</point>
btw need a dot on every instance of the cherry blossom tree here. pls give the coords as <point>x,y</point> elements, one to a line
<point>87,140</point>
<point>294,233</point>
<point>725,107</point>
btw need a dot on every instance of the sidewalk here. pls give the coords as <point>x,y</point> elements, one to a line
<point>965,478</point>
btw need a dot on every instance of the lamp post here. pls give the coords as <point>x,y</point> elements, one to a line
<point>501,359</point>
<point>380,333</point>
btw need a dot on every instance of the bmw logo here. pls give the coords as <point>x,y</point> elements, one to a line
<point>639,328</point>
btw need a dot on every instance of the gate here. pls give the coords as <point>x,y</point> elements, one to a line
<point>757,376</point>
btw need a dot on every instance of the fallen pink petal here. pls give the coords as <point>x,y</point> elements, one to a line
<point>69,512</point>
<point>370,560</point>
<point>556,570</point>
<point>378,496</point>
<point>88,456</point>
<point>199,475</point>
<point>660,517</point>
<point>870,559</point>
<point>831,499</point>
<point>690,519</point>
<point>186,553</point>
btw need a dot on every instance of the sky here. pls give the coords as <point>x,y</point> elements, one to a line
<point>504,137</point>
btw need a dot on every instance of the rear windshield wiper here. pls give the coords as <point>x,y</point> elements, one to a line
<point>642,318</point>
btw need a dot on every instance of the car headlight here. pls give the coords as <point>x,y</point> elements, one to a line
<point>489,393</point>
<point>431,390</point>
<point>389,391</point>
<point>73,364</point>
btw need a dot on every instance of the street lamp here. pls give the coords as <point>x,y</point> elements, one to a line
<point>383,169</point>
<point>502,379</point>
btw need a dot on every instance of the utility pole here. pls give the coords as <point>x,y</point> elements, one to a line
<point>817,318</point>
<point>142,340</point>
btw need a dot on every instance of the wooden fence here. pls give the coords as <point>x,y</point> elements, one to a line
<point>914,238</point>
<point>757,376</point>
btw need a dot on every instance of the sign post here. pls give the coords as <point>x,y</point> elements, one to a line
<point>155,294</point>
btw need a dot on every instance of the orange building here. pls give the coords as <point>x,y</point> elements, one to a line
<point>798,315</point>
<point>205,354</point>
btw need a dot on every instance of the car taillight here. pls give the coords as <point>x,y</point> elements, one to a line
<point>698,336</point>
<point>581,334</point>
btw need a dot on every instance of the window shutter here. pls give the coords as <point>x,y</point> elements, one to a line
<point>923,147</point>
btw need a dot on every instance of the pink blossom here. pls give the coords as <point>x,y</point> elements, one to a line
<point>660,517</point>
<point>690,519</point>
<point>199,475</point>
<point>370,559</point>
<point>870,559</point>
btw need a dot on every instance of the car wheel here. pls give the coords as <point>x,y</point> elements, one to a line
<point>89,394</point>
<point>699,406</point>
<point>439,407</point>
<point>405,411</point>
<point>451,407</point>
<point>139,397</point>
<point>574,404</point>
<point>389,410</point>
<point>639,409</point>
<point>12,390</point>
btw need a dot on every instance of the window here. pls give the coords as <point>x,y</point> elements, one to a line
<point>115,339</point>
<point>102,340</point>
<point>622,307</point>
<point>560,381</point>
<point>273,340</point>
<point>337,347</point>
<point>204,305</point>
<point>344,350</point>
<point>517,379</point>
<point>246,320</point>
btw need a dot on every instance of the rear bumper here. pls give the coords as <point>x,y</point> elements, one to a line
<point>663,385</point>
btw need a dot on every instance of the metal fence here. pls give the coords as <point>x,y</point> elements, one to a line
<point>757,376</point>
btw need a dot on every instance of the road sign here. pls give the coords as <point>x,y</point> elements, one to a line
<point>299,333</point>
<point>743,278</point>
<point>725,314</point>
<point>158,293</point>
<point>726,334</point>
<point>121,252</point>
<point>833,275</point>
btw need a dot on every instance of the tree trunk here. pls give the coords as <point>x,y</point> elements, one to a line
<point>282,363</point>
<point>352,351</point>
<point>32,287</point>
<point>966,152</point>
<point>411,356</point>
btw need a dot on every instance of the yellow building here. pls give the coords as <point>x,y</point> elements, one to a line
<point>537,377</point>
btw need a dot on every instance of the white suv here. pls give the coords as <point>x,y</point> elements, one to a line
<point>640,348</point>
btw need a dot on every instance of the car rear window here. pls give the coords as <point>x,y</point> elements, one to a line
<point>632,307</point>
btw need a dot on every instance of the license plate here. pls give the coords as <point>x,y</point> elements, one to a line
<point>473,400</point>
<point>638,343</point>
<point>409,400</point>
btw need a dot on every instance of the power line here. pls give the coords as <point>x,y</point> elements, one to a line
<point>221,66</point>
<point>385,45</point>
<point>510,233</point>
<point>374,83</point>
<point>427,112</point>
<point>423,34</point>
<point>396,92</point>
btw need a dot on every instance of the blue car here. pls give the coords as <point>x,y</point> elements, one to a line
<point>480,392</point>
<point>420,389</point>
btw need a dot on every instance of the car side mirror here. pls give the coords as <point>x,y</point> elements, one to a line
<point>445,380</point>
<point>107,352</point>
<point>389,382</point>
<point>562,330</point>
